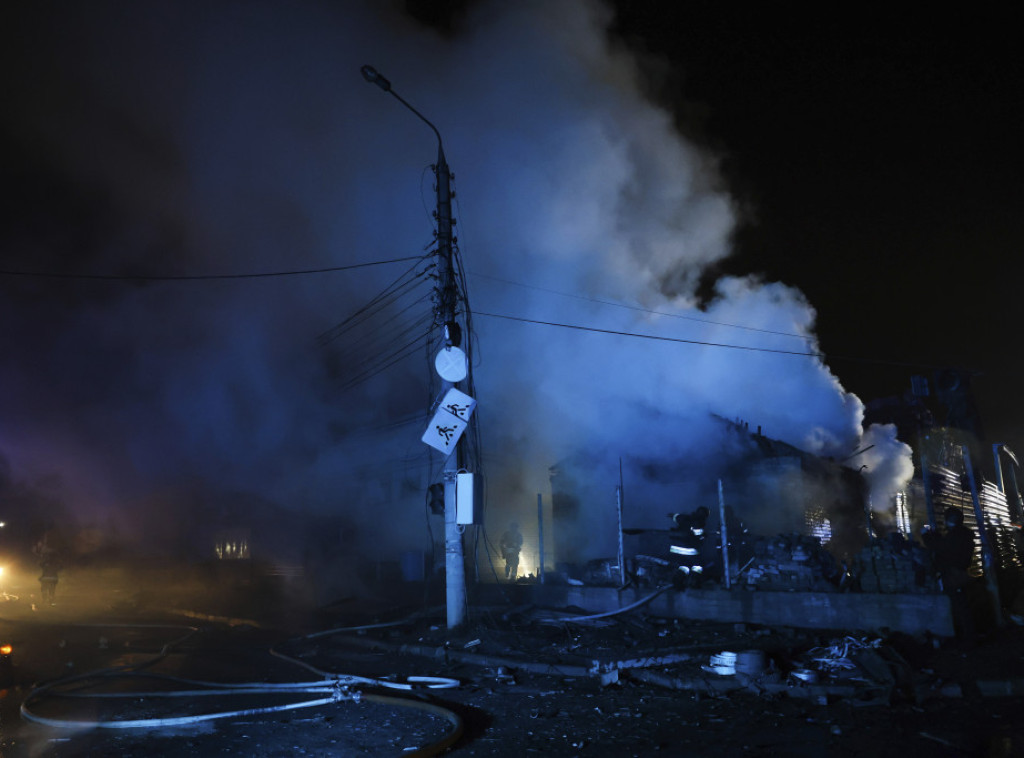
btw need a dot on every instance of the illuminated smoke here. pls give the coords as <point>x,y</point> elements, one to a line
<point>889,464</point>
<point>209,138</point>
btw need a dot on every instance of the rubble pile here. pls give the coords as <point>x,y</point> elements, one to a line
<point>791,562</point>
<point>894,567</point>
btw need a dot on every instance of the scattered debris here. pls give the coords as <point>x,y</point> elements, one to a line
<point>929,736</point>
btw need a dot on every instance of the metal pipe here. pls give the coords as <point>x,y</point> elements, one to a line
<point>1017,509</point>
<point>929,504</point>
<point>1018,501</point>
<point>540,536</point>
<point>725,535</point>
<point>999,466</point>
<point>622,565</point>
<point>987,553</point>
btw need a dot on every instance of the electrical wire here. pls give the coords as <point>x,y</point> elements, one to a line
<point>367,366</point>
<point>402,282</point>
<point>358,349</point>
<point>403,466</point>
<point>199,277</point>
<point>751,348</point>
<point>377,325</point>
<point>641,309</point>
<point>377,368</point>
<point>488,547</point>
<point>474,438</point>
<point>617,333</point>
<point>413,418</point>
<point>381,303</point>
<point>376,330</point>
<point>389,352</point>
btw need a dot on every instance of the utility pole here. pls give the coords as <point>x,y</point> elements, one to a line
<point>455,570</point>
<point>454,560</point>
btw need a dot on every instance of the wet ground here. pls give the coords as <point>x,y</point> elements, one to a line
<point>529,681</point>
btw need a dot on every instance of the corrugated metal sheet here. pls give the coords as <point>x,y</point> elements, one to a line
<point>951,489</point>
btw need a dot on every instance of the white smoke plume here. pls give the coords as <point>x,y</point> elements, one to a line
<point>206,138</point>
<point>889,462</point>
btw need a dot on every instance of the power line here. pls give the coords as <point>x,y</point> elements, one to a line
<point>377,303</point>
<point>381,363</point>
<point>201,277</point>
<point>638,308</point>
<point>651,336</point>
<point>383,350</point>
<point>407,420</point>
<point>370,338</point>
<point>370,315</point>
<point>819,355</point>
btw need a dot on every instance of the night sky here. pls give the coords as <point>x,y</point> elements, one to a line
<point>842,184</point>
<point>879,160</point>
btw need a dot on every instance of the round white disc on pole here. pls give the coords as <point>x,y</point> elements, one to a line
<point>451,364</point>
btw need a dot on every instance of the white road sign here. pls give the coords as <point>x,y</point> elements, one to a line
<point>451,364</point>
<point>449,421</point>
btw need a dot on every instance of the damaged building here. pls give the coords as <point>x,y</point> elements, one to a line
<point>794,522</point>
<point>768,487</point>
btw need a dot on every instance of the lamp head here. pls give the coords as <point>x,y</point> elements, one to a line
<point>371,75</point>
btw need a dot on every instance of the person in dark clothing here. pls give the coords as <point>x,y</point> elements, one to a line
<point>50,566</point>
<point>952,550</point>
<point>688,546</point>
<point>952,553</point>
<point>511,543</point>
<point>692,522</point>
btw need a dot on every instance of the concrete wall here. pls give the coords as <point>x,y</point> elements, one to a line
<point>868,612</point>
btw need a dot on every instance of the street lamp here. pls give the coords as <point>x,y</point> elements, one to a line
<point>373,76</point>
<point>455,574</point>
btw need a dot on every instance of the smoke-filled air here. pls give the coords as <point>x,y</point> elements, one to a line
<point>206,139</point>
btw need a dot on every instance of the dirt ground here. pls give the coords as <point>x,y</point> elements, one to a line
<point>529,681</point>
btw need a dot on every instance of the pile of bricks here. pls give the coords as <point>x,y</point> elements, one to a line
<point>791,562</point>
<point>881,568</point>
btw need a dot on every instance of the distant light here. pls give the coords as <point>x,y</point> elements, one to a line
<point>678,550</point>
<point>823,531</point>
<point>371,75</point>
<point>902,514</point>
<point>6,649</point>
<point>3,524</point>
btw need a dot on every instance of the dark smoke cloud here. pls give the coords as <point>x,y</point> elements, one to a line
<point>192,138</point>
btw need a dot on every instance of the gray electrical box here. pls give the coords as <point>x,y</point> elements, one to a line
<point>464,498</point>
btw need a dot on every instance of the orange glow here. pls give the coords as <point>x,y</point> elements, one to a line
<point>6,649</point>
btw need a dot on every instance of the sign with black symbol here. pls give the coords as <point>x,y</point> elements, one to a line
<point>449,422</point>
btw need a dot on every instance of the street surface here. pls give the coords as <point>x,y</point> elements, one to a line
<point>524,684</point>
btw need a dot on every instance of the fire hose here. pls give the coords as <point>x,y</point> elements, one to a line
<point>332,688</point>
<point>642,601</point>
